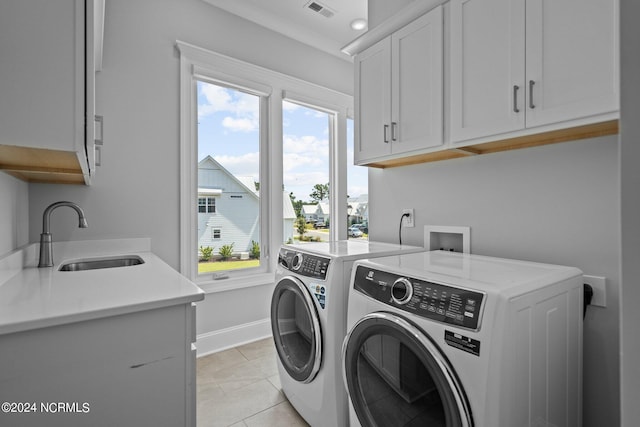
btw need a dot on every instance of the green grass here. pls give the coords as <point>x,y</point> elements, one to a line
<point>208,267</point>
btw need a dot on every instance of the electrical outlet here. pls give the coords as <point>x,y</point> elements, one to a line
<point>408,221</point>
<point>599,290</point>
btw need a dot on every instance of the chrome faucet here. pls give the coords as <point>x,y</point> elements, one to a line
<point>46,243</point>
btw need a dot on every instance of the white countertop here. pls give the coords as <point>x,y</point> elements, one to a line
<point>32,297</point>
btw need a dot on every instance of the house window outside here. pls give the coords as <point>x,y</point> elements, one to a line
<point>217,234</point>
<point>206,205</point>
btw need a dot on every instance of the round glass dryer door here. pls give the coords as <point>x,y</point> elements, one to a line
<point>396,376</point>
<point>296,329</point>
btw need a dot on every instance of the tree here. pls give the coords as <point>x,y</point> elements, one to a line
<point>297,204</point>
<point>301,226</point>
<point>320,192</point>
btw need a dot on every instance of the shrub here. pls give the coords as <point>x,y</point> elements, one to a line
<point>255,249</point>
<point>301,226</point>
<point>226,251</point>
<point>206,253</point>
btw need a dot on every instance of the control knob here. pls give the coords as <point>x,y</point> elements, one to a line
<point>401,291</point>
<point>296,263</point>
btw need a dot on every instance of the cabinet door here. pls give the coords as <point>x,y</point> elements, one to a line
<point>417,84</point>
<point>487,67</point>
<point>373,102</point>
<point>571,59</point>
<point>42,69</point>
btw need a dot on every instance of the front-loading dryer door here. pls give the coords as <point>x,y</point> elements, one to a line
<point>296,329</point>
<point>396,376</point>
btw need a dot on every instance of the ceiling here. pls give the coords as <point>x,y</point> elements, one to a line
<point>295,19</point>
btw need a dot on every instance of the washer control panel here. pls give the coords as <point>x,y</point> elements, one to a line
<point>434,301</point>
<point>304,264</point>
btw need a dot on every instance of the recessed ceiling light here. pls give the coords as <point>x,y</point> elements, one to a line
<point>359,24</point>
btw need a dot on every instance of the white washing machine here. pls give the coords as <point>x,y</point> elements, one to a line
<point>449,339</point>
<point>308,320</point>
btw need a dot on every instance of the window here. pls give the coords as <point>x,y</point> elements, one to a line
<point>232,137</point>
<point>307,138</point>
<point>206,205</point>
<point>228,123</point>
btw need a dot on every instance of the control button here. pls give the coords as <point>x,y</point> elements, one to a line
<point>401,291</point>
<point>469,314</point>
<point>297,261</point>
<point>470,308</point>
<point>440,311</point>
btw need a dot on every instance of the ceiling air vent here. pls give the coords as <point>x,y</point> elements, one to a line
<point>320,8</point>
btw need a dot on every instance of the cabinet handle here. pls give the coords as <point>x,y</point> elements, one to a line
<point>394,125</point>
<point>531,83</point>
<point>385,133</point>
<point>99,120</point>
<point>515,98</point>
<point>98,155</point>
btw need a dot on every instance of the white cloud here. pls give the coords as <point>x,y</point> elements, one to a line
<point>293,161</point>
<point>240,125</point>
<point>305,179</point>
<point>244,165</point>
<point>308,145</point>
<point>244,108</point>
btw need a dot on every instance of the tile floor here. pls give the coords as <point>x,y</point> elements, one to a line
<point>240,387</point>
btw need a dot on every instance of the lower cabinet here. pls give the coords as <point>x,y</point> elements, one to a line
<point>135,369</point>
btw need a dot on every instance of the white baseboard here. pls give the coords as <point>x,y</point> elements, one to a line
<point>223,339</point>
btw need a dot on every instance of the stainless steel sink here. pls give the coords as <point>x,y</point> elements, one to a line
<point>104,262</point>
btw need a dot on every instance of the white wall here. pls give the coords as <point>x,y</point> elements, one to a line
<point>135,192</point>
<point>14,213</point>
<point>556,204</point>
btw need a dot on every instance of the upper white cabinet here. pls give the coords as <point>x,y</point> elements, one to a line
<point>399,91</point>
<point>47,89</point>
<point>519,64</point>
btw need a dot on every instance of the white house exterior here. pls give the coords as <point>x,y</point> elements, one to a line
<point>288,217</point>
<point>228,208</point>
<point>317,212</point>
<point>359,209</point>
<point>323,212</point>
<point>310,213</point>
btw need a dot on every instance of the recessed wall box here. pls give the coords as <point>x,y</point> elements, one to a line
<point>447,238</point>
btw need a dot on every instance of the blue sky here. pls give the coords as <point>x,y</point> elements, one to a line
<point>228,131</point>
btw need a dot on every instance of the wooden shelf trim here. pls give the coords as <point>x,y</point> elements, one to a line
<point>41,165</point>
<point>610,127</point>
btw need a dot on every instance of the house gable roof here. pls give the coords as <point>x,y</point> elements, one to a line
<point>243,182</point>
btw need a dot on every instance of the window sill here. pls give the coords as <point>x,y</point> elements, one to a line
<point>235,283</point>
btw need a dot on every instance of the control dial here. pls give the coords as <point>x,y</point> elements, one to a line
<point>296,263</point>
<point>401,291</point>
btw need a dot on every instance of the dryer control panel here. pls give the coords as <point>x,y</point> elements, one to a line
<point>436,301</point>
<point>303,263</point>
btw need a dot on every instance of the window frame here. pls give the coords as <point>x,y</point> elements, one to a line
<point>207,205</point>
<point>273,87</point>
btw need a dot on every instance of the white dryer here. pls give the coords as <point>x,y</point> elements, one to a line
<point>309,322</point>
<point>449,339</point>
